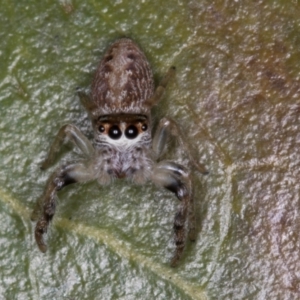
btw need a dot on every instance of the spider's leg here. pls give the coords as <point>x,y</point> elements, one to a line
<point>66,133</point>
<point>175,178</point>
<point>159,91</point>
<point>45,207</point>
<point>166,128</point>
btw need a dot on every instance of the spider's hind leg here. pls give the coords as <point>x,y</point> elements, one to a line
<point>159,91</point>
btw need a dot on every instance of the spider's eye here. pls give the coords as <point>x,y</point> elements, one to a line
<point>101,128</point>
<point>114,132</point>
<point>144,127</point>
<point>131,132</point>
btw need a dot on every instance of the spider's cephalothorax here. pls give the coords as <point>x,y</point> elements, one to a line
<point>122,95</point>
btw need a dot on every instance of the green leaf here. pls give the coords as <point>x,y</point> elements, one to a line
<point>236,95</point>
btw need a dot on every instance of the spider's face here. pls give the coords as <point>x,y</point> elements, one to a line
<point>122,130</point>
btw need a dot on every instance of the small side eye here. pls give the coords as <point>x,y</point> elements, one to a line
<point>144,127</point>
<point>131,56</point>
<point>101,128</point>
<point>114,132</point>
<point>108,58</point>
<point>131,132</point>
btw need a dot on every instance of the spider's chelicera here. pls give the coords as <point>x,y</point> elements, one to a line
<point>122,95</point>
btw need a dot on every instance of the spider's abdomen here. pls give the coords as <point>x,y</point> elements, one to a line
<point>123,81</point>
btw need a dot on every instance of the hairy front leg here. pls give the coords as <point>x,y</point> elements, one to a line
<point>45,207</point>
<point>175,178</point>
<point>66,133</point>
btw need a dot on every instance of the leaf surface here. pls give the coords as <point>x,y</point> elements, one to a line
<point>236,95</point>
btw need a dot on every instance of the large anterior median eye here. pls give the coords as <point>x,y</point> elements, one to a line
<point>131,132</point>
<point>114,132</point>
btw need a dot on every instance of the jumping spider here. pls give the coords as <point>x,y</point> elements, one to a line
<point>122,95</point>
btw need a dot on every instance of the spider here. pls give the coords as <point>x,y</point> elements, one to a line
<point>119,106</point>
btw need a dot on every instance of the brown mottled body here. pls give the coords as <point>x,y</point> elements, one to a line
<point>122,95</point>
<point>123,81</point>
